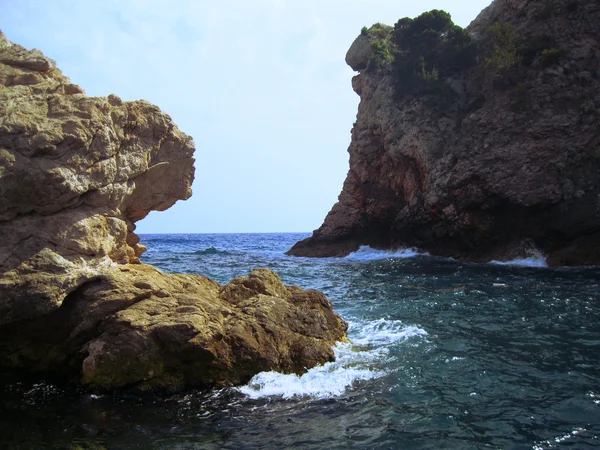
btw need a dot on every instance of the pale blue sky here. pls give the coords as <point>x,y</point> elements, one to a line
<point>261,86</point>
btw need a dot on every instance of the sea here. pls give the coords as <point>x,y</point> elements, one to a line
<point>443,355</point>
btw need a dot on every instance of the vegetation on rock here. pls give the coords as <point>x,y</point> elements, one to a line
<point>383,54</point>
<point>531,48</point>
<point>422,52</point>
<point>503,48</point>
<point>552,55</point>
<point>429,49</point>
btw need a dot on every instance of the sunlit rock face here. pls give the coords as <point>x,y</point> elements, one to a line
<point>512,164</point>
<point>76,173</point>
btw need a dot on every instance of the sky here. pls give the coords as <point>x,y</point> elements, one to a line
<point>261,86</point>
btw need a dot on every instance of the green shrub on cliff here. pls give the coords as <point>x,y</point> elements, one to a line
<point>551,56</point>
<point>503,52</point>
<point>427,50</point>
<point>383,54</point>
<point>531,47</point>
<point>380,31</point>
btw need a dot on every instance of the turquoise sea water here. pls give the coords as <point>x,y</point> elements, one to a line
<point>444,355</point>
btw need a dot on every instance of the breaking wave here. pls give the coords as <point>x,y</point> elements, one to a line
<point>535,259</point>
<point>523,262</point>
<point>361,360</point>
<point>366,253</point>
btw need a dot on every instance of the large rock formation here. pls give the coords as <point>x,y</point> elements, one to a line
<point>76,173</point>
<point>512,164</point>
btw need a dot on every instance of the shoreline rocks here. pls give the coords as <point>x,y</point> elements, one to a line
<point>136,327</point>
<point>76,174</point>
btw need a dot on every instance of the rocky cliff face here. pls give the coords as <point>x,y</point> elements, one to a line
<point>511,165</point>
<point>76,173</point>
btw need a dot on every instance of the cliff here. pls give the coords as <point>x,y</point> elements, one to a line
<point>505,164</point>
<point>76,173</point>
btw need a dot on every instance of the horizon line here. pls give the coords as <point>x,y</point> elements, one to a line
<point>229,232</point>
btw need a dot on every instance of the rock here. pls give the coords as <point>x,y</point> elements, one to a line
<point>76,174</point>
<point>133,326</point>
<point>17,56</point>
<point>361,51</point>
<point>498,155</point>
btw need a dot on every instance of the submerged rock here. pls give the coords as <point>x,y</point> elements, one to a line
<point>76,173</point>
<point>505,162</point>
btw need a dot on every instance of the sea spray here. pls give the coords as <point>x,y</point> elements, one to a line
<point>363,359</point>
<point>533,261</point>
<point>383,332</point>
<point>366,253</point>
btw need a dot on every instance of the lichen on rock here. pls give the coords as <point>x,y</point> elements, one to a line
<point>76,174</point>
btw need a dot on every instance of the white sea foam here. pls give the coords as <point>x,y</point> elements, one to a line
<point>366,253</point>
<point>328,380</point>
<point>557,441</point>
<point>357,361</point>
<point>535,258</point>
<point>383,332</point>
<point>534,261</point>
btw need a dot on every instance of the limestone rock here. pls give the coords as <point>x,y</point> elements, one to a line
<point>76,173</point>
<point>133,326</point>
<point>510,165</point>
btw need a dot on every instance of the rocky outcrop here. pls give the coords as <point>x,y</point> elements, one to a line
<point>135,326</point>
<point>511,164</point>
<point>76,173</point>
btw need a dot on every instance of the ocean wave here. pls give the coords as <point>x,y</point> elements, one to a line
<point>358,361</point>
<point>366,253</point>
<point>211,251</point>
<point>383,332</point>
<point>535,259</point>
<point>523,262</point>
<point>324,381</point>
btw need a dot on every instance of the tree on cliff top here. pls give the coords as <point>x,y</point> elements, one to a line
<point>427,50</point>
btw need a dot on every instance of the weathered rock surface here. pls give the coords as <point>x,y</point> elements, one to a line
<point>76,173</point>
<point>513,164</point>
<point>135,326</point>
